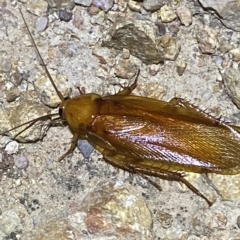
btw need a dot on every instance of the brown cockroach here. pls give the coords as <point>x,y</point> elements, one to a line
<point>147,136</point>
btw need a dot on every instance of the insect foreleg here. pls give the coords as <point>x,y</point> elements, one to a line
<point>72,147</point>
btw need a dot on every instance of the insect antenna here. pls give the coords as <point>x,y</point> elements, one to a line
<point>42,62</point>
<point>45,117</point>
<point>32,122</point>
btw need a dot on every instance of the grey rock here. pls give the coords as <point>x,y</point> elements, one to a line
<point>85,3</point>
<point>105,5</point>
<point>152,5</point>
<point>138,36</point>
<point>227,10</point>
<point>231,79</point>
<point>41,24</point>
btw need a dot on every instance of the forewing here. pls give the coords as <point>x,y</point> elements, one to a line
<point>155,138</point>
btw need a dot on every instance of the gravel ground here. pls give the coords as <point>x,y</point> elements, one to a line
<point>85,197</point>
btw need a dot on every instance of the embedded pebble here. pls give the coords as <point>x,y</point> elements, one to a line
<point>12,94</point>
<point>138,36</point>
<point>167,14</point>
<point>93,10</point>
<point>205,96</point>
<point>98,18</point>
<point>235,54</point>
<point>153,69</point>
<point>152,5</point>
<point>134,6</point>
<point>207,39</point>
<point>12,147</point>
<point>21,161</point>
<point>85,148</point>
<point>125,68</point>
<point>231,79</point>
<point>171,47</point>
<point>41,24</point>
<point>185,15</point>
<point>37,7</point>
<point>16,78</point>
<point>86,3</point>
<point>227,10</point>
<point>105,5</point>
<point>181,66</point>
<point>10,221</point>
<point>65,15</point>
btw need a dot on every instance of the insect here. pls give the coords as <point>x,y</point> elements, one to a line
<point>149,137</point>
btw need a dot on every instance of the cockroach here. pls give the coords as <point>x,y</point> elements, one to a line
<point>147,136</point>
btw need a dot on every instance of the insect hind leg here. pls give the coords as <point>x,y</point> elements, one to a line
<point>165,174</point>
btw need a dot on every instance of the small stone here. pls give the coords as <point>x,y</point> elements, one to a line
<point>138,36</point>
<point>164,218</point>
<point>207,39</point>
<point>41,24</point>
<point>170,46</point>
<point>174,28</point>
<point>126,53</point>
<point>12,94</point>
<point>206,95</point>
<point>152,5</point>
<point>93,10</point>
<point>181,66</point>
<point>5,65</point>
<point>105,5</point>
<point>99,18</point>
<point>65,15</point>
<point>85,148</point>
<point>161,28</point>
<point>135,6</point>
<point>185,15</point>
<point>85,3</point>
<point>153,69</point>
<point>227,10</point>
<point>12,147</point>
<point>231,79</point>
<point>167,14</point>
<point>37,7</point>
<point>10,221</point>
<point>16,78</point>
<point>235,54</point>
<point>21,161</point>
<point>125,68</point>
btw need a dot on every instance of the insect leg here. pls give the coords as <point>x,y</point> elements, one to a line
<point>165,174</point>
<point>129,89</point>
<point>72,147</point>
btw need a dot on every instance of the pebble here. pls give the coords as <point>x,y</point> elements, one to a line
<point>21,161</point>
<point>185,15</point>
<point>134,6</point>
<point>85,3</point>
<point>152,5</point>
<point>167,14</point>
<point>41,24</point>
<point>12,147</point>
<point>37,7</point>
<point>65,15</point>
<point>105,5</point>
<point>10,221</point>
<point>85,148</point>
